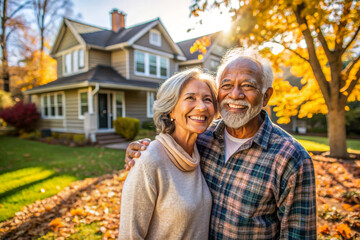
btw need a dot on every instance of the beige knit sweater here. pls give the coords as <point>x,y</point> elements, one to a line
<point>159,201</point>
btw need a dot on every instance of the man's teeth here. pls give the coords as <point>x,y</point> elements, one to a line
<point>202,118</point>
<point>236,106</point>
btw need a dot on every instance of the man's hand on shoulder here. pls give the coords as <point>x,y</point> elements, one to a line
<point>133,151</point>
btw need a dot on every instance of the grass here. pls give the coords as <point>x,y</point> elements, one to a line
<point>31,171</point>
<point>314,143</point>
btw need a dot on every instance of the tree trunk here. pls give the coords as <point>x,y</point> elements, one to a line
<point>337,131</point>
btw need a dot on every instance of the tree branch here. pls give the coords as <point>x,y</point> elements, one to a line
<point>313,59</point>
<point>292,50</point>
<point>341,26</point>
<point>323,42</point>
<point>352,40</point>
<point>350,66</point>
<point>18,9</point>
<point>353,83</point>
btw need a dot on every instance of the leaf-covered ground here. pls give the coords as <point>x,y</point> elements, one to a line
<point>89,209</point>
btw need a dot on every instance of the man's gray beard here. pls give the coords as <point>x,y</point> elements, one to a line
<point>237,120</point>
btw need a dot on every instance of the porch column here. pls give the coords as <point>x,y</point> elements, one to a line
<point>90,100</point>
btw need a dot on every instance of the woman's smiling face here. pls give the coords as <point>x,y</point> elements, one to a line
<point>194,110</point>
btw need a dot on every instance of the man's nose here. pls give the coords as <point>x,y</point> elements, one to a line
<point>237,93</point>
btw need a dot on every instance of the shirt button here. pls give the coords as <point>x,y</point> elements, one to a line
<point>220,185</point>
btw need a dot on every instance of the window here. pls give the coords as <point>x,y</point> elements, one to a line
<point>81,59</point>
<point>150,103</point>
<point>59,102</point>
<point>74,61</point>
<point>52,105</point>
<point>163,67</point>
<point>214,65</point>
<point>119,104</point>
<point>139,62</point>
<point>84,107</point>
<point>155,37</point>
<point>68,63</point>
<point>45,109</point>
<point>151,65</point>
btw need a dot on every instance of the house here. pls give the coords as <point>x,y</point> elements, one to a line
<point>104,74</point>
<point>219,45</point>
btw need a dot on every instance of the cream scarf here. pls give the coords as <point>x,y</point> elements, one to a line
<point>179,157</point>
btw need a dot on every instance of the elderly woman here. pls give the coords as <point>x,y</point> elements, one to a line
<point>165,195</point>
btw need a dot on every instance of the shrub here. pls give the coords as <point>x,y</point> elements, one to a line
<point>23,117</point>
<point>79,139</point>
<point>127,127</point>
<point>31,135</point>
<point>149,125</point>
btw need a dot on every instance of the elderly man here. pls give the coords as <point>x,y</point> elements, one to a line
<point>261,179</point>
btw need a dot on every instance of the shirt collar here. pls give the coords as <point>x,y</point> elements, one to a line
<point>262,137</point>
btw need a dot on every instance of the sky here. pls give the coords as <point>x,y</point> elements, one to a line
<point>174,15</point>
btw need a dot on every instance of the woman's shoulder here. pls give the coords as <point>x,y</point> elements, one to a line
<point>153,156</point>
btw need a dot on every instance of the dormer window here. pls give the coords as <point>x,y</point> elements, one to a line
<point>74,61</point>
<point>155,37</point>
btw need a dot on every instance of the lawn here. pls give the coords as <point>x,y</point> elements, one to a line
<point>320,144</point>
<point>31,170</point>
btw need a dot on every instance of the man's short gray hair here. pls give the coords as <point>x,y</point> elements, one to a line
<point>236,53</point>
<point>169,93</point>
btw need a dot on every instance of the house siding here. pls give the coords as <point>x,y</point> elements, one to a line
<point>145,41</point>
<point>59,66</point>
<point>172,68</point>
<point>135,105</point>
<point>184,67</point>
<point>97,57</point>
<point>72,111</point>
<point>68,41</point>
<point>118,61</point>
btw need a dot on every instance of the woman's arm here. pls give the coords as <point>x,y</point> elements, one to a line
<point>137,203</point>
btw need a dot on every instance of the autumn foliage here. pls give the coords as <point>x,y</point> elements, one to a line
<point>23,117</point>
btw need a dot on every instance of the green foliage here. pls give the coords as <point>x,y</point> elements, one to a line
<point>79,139</point>
<point>149,125</point>
<point>127,127</point>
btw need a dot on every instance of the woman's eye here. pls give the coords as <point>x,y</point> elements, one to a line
<point>208,99</point>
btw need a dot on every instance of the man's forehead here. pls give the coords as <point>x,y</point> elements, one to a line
<point>245,65</point>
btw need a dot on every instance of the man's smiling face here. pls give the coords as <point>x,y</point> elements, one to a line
<point>240,92</point>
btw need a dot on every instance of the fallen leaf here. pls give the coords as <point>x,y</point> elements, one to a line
<point>343,230</point>
<point>325,230</point>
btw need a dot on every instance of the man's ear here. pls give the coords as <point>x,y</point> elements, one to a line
<point>267,96</point>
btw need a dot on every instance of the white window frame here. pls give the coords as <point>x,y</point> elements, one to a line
<point>152,40</point>
<point>135,61</point>
<point>72,61</point>
<point>47,96</point>
<point>123,104</point>
<point>79,102</point>
<point>148,102</point>
<point>81,60</point>
<point>147,65</point>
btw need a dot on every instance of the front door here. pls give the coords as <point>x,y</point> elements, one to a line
<point>103,111</point>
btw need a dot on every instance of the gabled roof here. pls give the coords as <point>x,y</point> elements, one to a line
<point>103,75</point>
<point>93,36</point>
<point>186,45</point>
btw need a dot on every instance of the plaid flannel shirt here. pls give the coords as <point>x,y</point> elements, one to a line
<point>266,190</point>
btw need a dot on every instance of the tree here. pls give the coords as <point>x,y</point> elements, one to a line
<point>10,21</point>
<point>318,37</point>
<point>47,12</point>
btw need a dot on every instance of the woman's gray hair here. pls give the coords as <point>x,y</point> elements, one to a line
<point>237,53</point>
<point>169,93</point>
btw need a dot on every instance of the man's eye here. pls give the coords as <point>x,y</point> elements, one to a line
<point>248,87</point>
<point>226,86</point>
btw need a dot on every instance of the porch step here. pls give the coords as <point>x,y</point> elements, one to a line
<point>109,138</point>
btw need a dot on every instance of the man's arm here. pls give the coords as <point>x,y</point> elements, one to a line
<point>133,151</point>
<point>297,211</point>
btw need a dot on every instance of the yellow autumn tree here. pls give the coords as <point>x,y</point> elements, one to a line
<point>38,67</point>
<point>319,38</point>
